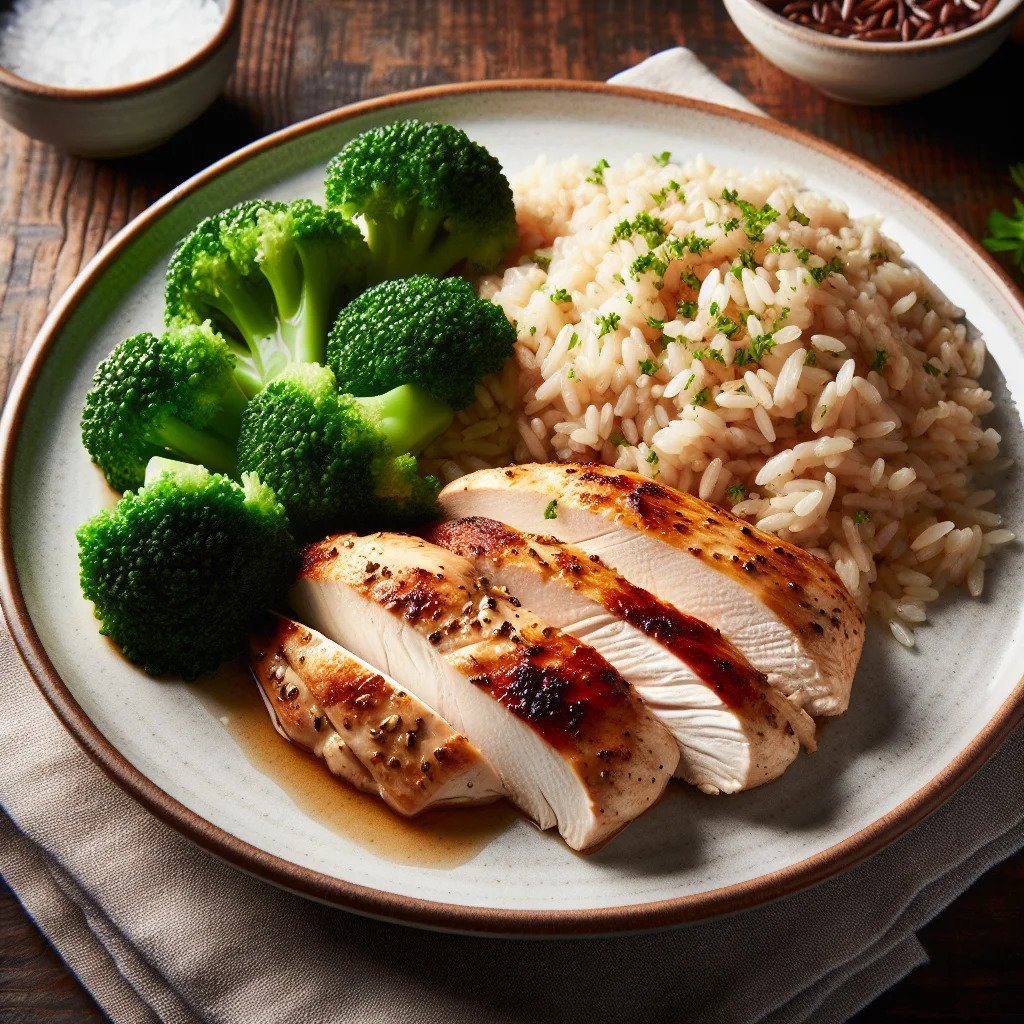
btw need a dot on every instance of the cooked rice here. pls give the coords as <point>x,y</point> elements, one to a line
<point>783,410</point>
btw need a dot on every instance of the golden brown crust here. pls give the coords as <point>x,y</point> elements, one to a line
<point>562,689</point>
<point>408,751</point>
<point>803,591</point>
<point>714,659</point>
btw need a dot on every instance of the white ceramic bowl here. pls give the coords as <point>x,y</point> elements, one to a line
<point>121,120</point>
<point>871,72</point>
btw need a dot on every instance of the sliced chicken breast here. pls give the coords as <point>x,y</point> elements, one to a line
<point>734,731</point>
<point>787,612</point>
<point>572,744</point>
<point>369,731</point>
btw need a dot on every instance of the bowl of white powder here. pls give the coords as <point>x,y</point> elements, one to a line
<point>105,78</point>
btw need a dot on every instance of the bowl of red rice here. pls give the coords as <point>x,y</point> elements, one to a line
<point>875,51</point>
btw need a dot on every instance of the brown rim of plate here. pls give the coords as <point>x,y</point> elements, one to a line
<point>911,48</point>
<point>40,90</point>
<point>407,909</point>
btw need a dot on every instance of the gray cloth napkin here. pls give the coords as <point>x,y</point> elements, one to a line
<point>157,930</point>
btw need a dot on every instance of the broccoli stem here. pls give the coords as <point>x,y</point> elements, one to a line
<point>249,314</point>
<point>408,416</point>
<point>425,228</point>
<point>246,374</point>
<point>281,269</point>
<point>305,332</point>
<point>415,244</point>
<point>158,465</point>
<point>379,237</point>
<point>228,421</point>
<point>392,245</point>
<point>196,445</point>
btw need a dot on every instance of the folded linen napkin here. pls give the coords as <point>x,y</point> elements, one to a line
<point>157,930</point>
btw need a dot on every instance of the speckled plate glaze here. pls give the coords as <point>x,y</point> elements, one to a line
<point>920,722</point>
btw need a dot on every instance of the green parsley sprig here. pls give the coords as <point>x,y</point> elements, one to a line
<point>1006,232</point>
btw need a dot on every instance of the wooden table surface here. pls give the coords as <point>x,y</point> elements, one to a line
<point>301,57</point>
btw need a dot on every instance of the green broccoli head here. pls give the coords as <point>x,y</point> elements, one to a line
<point>173,394</point>
<point>430,197</point>
<point>178,570</point>
<point>271,276</point>
<point>338,462</point>
<point>434,332</point>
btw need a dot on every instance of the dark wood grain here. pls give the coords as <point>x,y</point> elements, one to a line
<point>301,57</point>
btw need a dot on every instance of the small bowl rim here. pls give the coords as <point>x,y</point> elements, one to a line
<point>228,24</point>
<point>913,46</point>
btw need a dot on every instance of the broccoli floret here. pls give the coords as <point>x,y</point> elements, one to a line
<point>429,195</point>
<point>272,277</point>
<point>338,462</point>
<point>169,395</point>
<point>178,569</point>
<point>434,332</point>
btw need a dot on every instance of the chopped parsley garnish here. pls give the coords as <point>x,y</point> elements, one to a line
<point>708,353</point>
<point>533,331</point>
<point>730,195</point>
<point>820,274</point>
<point>618,439</point>
<point>756,219</point>
<point>933,369</point>
<point>781,318</point>
<point>811,358</point>
<point>803,255</point>
<point>647,262</point>
<point>560,296</point>
<point>661,159</point>
<point>727,325</point>
<point>881,358</point>
<point>542,261</point>
<point>747,259</point>
<point>622,230</point>
<point>715,308</point>
<point>689,381</point>
<point>758,348</point>
<point>551,512</point>
<point>702,396</point>
<point>649,228</point>
<point>778,247</point>
<point>736,493</point>
<point>571,375</point>
<point>879,256</point>
<point>618,277</point>
<point>688,309</point>
<point>695,244</point>
<point>608,323</point>
<point>652,457</point>
<point>648,367</point>
<point>801,218</point>
<point>662,194</point>
<point>730,225</point>
<point>656,324</point>
<point>596,176</point>
<point>862,517</point>
<point>629,297</point>
<point>574,340</point>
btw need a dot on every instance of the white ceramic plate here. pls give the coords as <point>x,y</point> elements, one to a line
<point>919,723</point>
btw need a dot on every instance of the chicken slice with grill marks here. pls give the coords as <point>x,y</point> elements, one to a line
<point>369,731</point>
<point>571,742</point>
<point>734,731</point>
<point>787,612</point>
